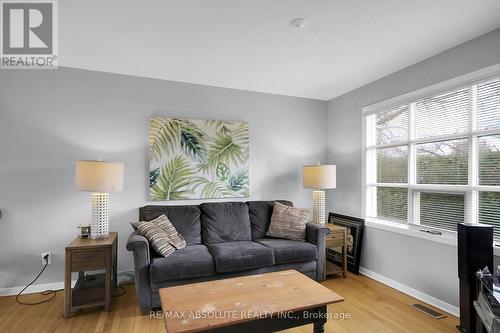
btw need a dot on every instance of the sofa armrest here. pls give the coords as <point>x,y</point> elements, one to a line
<point>316,234</point>
<point>139,246</point>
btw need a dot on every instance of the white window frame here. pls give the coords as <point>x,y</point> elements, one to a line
<point>470,190</point>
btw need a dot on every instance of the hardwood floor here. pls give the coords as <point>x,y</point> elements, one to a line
<point>371,307</point>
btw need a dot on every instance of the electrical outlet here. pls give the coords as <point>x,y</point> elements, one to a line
<point>49,259</point>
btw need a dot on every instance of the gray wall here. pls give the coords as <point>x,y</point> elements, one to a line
<point>50,118</point>
<point>424,265</point>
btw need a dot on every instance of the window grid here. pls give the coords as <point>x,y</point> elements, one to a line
<point>471,190</point>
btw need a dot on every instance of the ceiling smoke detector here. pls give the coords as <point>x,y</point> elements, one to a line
<point>298,23</point>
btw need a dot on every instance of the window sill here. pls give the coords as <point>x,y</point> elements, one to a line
<point>448,238</point>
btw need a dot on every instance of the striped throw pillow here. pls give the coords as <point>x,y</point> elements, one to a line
<point>174,237</point>
<point>161,234</point>
<point>156,236</point>
<point>288,222</point>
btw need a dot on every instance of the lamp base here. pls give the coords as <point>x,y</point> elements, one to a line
<point>319,207</point>
<point>99,226</point>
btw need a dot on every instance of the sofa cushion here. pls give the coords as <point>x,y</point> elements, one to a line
<point>240,256</point>
<point>185,219</point>
<point>288,251</point>
<point>260,216</point>
<point>225,222</point>
<point>190,262</point>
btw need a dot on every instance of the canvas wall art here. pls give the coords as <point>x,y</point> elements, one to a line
<point>198,159</point>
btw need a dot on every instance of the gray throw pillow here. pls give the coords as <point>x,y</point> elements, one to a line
<point>288,222</point>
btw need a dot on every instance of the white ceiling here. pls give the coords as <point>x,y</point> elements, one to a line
<point>249,44</point>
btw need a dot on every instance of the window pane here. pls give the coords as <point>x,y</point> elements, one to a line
<point>489,160</point>
<point>392,165</point>
<point>488,105</point>
<point>442,114</point>
<point>392,204</point>
<point>489,211</point>
<point>443,162</point>
<point>442,211</point>
<point>392,125</point>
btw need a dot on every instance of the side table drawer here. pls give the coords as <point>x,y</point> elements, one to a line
<point>335,235</point>
<point>329,243</point>
<point>88,260</point>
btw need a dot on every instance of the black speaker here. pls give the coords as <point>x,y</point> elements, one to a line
<point>475,251</point>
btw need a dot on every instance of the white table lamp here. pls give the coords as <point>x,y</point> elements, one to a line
<point>101,178</point>
<point>320,177</point>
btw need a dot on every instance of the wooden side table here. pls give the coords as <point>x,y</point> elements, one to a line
<point>89,255</point>
<point>336,238</point>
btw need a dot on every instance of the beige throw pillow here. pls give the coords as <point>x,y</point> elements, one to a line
<point>288,222</point>
<point>161,234</point>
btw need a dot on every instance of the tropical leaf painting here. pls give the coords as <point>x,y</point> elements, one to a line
<point>198,159</point>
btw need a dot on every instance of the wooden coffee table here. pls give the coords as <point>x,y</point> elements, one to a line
<point>255,303</point>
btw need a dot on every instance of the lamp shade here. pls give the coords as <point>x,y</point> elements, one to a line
<point>320,176</point>
<point>98,176</point>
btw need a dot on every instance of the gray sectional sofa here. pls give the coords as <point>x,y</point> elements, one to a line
<point>224,239</point>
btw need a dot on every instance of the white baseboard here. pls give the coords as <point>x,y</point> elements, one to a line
<point>451,309</point>
<point>35,288</point>
<point>125,277</point>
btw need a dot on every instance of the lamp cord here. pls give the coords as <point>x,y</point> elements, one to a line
<point>51,292</point>
<point>46,292</point>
